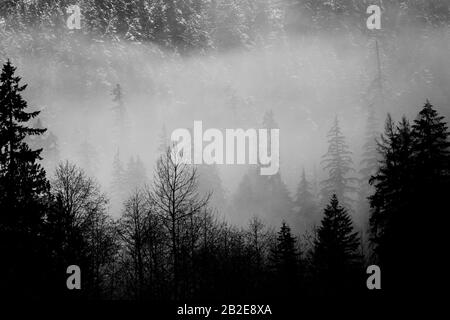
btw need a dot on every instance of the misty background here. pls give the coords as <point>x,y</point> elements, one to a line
<point>227,63</point>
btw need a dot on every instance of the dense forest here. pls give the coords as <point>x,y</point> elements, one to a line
<point>87,176</point>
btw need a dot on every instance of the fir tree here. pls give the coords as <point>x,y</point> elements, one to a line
<point>412,181</point>
<point>306,207</point>
<point>24,191</point>
<point>266,196</point>
<point>338,162</point>
<point>336,257</point>
<point>392,203</point>
<point>49,144</point>
<point>284,260</point>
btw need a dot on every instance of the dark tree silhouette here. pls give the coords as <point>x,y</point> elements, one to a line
<point>284,261</point>
<point>336,254</point>
<point>411,182</point>
<point>24,190</point>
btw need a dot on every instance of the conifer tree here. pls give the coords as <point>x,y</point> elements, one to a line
<point>266,196</point>
<point>338,162</point>
<point>306,207</point>
<point>410,183</point>
<point>336,257</point>
<point>284,261</point>
<point>49,144</point>
<point>24,189</point>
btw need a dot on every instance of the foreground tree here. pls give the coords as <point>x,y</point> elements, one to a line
<point>24,191</point>
<point>410,183</point>
<point>284,260</point>
<point>79,230</point>
<point>336,257</point>
<point>177,202</point>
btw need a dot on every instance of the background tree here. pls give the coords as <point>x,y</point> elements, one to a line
<point>305,204</point>
<point>338,162</point>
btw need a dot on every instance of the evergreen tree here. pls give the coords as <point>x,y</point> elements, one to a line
<point>284,261</point>
<point>266,196</point>
<point>338,162</point>
<point>392,203</point>
<point>24,190</point>
<point>336,258</point>
<point>305,203</point>
<point>49,144</point>
<point>412,181</point>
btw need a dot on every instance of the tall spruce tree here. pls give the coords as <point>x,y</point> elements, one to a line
<point>284,260</point>
<point>336,254</point>
<point>338,162</point>
<point>410,184</point>
<point>23,190</point>
<point>392,203</point>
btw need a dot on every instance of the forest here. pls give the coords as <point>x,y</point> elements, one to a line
<point>87,176</point>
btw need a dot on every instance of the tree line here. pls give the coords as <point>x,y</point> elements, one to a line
<point>169,244</point>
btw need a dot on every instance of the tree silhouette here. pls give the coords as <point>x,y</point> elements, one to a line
<point>24,189</point>
<point>284,260</point>
<point>336,257</point>
<point>411,181</point>
<point>338,162</point>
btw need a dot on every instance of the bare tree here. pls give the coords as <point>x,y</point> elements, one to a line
<point>176,201</point>
<point>85,231</point>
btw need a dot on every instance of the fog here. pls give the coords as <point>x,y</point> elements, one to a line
<point>306,81</point>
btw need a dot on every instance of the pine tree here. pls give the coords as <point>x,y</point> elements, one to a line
<point>411,182</point>
<point>266,196</point>
<point>336,257</point>
<point>24,190</point>
<point>431,147</point>
<point>338,162</point>
<point>392,203</point>
<point>284,261</point>
<point>306,207</point>
<point>49,144</point>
